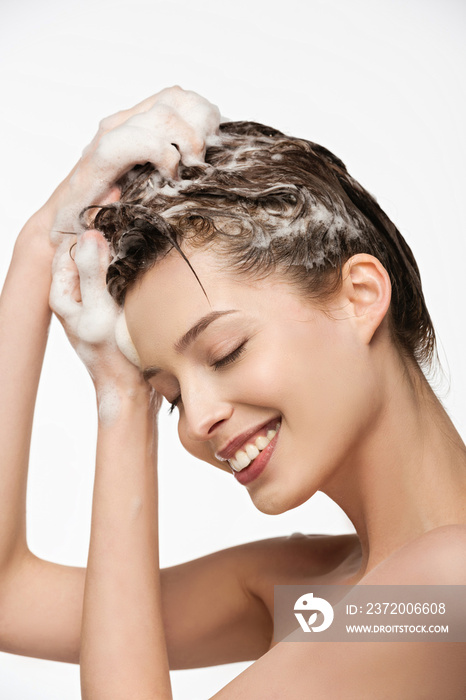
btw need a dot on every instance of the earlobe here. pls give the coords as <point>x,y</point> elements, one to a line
<point>367,287</point>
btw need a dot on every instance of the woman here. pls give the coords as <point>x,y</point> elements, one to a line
<point>268,298</point>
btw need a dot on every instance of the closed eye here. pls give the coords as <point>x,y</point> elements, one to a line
<point>219,364</point>
<point>231,357</point>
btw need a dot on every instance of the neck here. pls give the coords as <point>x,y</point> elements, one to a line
<point>409,476</point>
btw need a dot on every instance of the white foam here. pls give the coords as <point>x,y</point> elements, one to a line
<point>124,341</point>
<point>328,228</point>
<point>173,116</point>
<point>93,320</point>
<point>79,293</point>
<point>96,322</point>
<point>171,188</point>
<point>64,283</point>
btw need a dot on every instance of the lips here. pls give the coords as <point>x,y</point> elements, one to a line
<point>247,438</point>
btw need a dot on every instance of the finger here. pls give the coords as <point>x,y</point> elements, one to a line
<point>92,184</point>
<point>170,126</point>
<point>114,120</point>
<point>167,95</point>
<point>163,129</point>
<point>64,291</point>
<point>195,110</point>
<point>87,216</point>
<point>96,323</point>
<point>113,195</point>
<point>195,122</point>
<point>130,145</point>
<point>92,258</point>
<point>196,116</point>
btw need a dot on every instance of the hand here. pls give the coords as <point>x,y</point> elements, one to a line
<point>173,126</point>
<point>90,317</point>
<point>170,127</point>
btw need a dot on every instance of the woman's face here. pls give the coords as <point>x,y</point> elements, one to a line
<point>253,358</point>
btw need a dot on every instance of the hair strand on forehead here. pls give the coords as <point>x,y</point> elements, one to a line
<point>154,227</point>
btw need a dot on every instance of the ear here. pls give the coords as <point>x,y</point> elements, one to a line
<point>367,290</point>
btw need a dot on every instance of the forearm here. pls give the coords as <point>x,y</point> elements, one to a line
<point>24,321</point>
<point>123,650</point>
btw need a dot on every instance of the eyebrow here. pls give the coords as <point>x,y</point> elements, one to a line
<point>189,337</point>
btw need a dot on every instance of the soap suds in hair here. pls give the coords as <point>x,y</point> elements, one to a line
<point>174,125</point>
<point>255,193</point>
<point>267,202</point>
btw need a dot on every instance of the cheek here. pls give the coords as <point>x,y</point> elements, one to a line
<point>321,377</point>
<point>261,379</point>
<point>334,403</point>
<point>291,363</point>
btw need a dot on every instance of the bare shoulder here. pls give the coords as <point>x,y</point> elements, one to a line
<point>348,670</point>
<point>297,559</point>
<point>435,557</point>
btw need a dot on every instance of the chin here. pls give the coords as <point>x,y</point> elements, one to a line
<point>277,503</point>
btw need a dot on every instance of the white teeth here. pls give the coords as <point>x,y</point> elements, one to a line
<point>252,451</point>
<point>243,458</point>
<point>262,442</point>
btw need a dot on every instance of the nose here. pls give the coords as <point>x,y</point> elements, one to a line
<point>204,413</point>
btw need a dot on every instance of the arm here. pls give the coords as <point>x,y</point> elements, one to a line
<point>122,597</point>
<point>123,651</point>
<point>41,602</point>
<point>24,320</point>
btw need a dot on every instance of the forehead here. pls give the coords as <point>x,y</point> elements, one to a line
<point>168,300</point>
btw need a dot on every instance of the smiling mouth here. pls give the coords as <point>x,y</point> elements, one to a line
<point>254,446</point>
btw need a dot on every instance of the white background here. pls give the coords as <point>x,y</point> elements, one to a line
<point>380,83</point>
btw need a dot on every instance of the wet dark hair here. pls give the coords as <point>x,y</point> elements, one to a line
<point>267,203</point>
